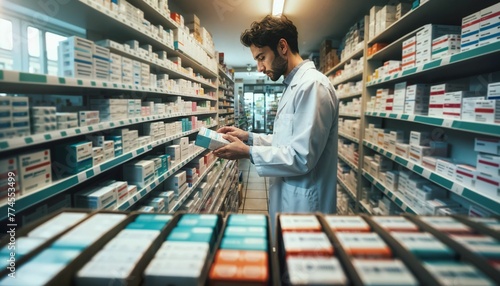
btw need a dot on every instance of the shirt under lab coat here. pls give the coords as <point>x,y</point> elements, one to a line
<point>300,157</point>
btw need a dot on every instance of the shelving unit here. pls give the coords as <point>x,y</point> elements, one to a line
<point>473,64</point>
<point>102,23</point>
<point>481,60</point>
<point>225,94</point>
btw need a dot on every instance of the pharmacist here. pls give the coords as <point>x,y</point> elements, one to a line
<point>301,154</point>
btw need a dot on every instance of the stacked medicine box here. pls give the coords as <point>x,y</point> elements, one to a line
<point>110,109</point>
<point>101,62</point>
<point>424,39</point>
<point>14,116</point>
<point>480,28</point>
<point>43,119</point>
<point>487,175</point>
<point>76,58</point>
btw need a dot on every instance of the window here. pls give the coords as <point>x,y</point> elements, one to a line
<point>29,47</point>
<point>51,47</point>
<point>6,44</point>
<point>35,60</point>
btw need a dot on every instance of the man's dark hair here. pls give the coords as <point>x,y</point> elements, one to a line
<point>269,31</point>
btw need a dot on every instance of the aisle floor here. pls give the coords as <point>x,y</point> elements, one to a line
<point>255,192</point>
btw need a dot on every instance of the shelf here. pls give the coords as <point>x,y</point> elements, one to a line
<point>433,11</point>
<point>156,65</point>
<point>347,188</point>
<point>480,60</point>
<point>36,139</point>
<point>353,139</point>
<point>469,126</point>
<point>210,188</point>
<point>355,54</point>
<point>59,186</point>
<point>153,14</point>
<point>222,195</point>
<point>349,96</point>
<point>222,72</point>
<point>350,115</point>
<point>22,82</point>
<point>391,195</point>
<point>472,195</point>
<point>188,192</point>
<point>348,162</point>
<point>365,207</point>
<point>355,77</point>
<point>93,17</point>
<point>151,186</point>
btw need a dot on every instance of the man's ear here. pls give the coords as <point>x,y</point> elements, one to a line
<point>282,47</point>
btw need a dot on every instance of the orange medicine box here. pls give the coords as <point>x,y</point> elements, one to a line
<point>297,223</point>
<point>235,267</point>
<point>364,245</point>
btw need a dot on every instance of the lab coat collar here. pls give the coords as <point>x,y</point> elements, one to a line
<point>295,75</point>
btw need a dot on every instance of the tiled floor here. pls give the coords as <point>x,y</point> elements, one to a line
<point>255,192</point>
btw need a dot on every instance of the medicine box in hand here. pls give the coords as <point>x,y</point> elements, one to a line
<point>210,139</point>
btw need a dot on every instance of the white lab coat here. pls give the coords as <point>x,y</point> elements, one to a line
<point>301,154</point>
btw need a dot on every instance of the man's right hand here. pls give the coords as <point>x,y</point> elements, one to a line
<point>233,131</point>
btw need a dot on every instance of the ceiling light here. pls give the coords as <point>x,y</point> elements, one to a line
<point>278,7</point>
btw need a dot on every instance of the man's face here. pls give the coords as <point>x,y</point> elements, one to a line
<point>274,66</point>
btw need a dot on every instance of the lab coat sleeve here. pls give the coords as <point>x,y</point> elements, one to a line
<point>313,117</point>
<point>262,139</point>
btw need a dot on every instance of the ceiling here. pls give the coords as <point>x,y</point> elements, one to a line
<point>315,20</point>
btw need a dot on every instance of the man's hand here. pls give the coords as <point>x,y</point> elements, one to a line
<point>233,131</point>
<point>234,150</point>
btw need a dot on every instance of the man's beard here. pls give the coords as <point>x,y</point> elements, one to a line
<point>278,67</point>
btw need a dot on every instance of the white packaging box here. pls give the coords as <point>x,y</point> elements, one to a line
<point>452,106</point>
<point>139,173</point>
<point>493,91</point>
<point>391,180</point>
<point>445,45</point>
<point>210,139</point>
<point>96,160</point>
<point>42,110</point>
<point>157,203</point>
<point>88,114</point>
<point>131,190</point>
<point>489,164</point>
<point>487,111</point>
<point>66,116</point>
<point>402,150</point>
<point>101,69</point>
<point>97,151</point>
<point>121,190</point>
<point>42,128</point>
<point>395,137</point>
<point>174,151</point>
<point>100,197</point>
<point>19,103</point>
<point>433,206</point>
<point>437,94</point>
<point>430,162</point>
<point>465,175</point>
<point>104,109</point>
<point>34,170</point>
<point>488,184</point>
<point>468,108</point>
<point>7,165</point>
<point>489,28</point>
<point>176,181</point>
<point>419,138</point>
<point>446,168</point>
<point>487,145</point>
<point>470,32</point>
<point>109,154</point>
<point>399,97</point>
<point>315,271</point>
<point>429,192</point>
